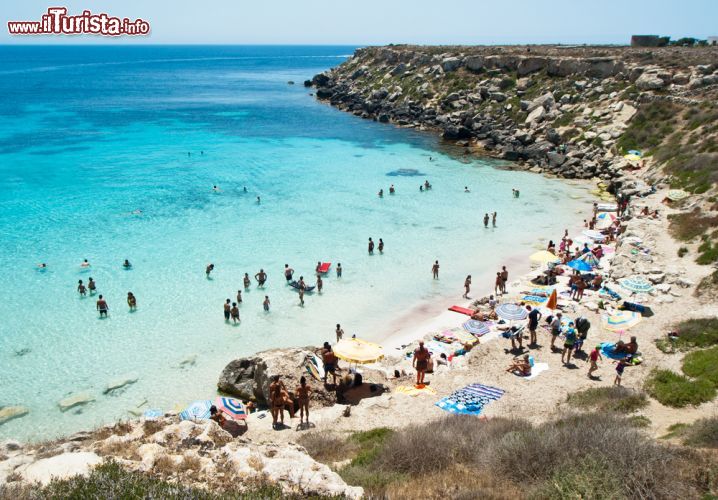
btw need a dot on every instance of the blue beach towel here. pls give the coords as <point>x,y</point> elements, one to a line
<point>470,400</point>
<point>607,350</point>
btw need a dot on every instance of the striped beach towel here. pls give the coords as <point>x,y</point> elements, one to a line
<point>470,400</point>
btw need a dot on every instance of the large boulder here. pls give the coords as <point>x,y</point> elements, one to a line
<point>650,81</point>
<point>474,63</point>
<point>249,378</point>
<point>59,467</point>
<point>450,64</point>
<point>529,65</point>
<point>546,101</point>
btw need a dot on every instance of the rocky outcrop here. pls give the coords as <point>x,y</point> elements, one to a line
<point>189,453</point>
<point>249,378</point>
<point>11,412</point>
<point>519,104</point>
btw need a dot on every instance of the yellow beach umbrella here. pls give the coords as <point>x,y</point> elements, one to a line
<point>632,157</point>
<point>620,320</point>
<point>543,257</point>
<point>358,351</point>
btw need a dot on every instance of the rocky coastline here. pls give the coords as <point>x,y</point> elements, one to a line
<point>550,110</point>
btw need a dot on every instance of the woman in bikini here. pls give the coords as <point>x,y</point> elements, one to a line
<point>303,391</point>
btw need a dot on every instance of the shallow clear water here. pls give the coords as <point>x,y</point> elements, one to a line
<point>89,135</point>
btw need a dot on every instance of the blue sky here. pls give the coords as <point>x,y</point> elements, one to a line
<point>366,22</point>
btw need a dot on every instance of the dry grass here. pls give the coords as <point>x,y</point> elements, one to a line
<point>151,427</point>
<point>617,399</point>
<point>116,448</point>
<point>592,455</point>
<point>165,466</point>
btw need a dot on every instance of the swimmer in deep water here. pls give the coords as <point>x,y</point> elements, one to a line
<point>391,189</point>
<point>259,200</point>
<point>42,266</point>
<point>381,193</point>
<point>466,189</point>
<point>215,189</point>
<point>126,264</point>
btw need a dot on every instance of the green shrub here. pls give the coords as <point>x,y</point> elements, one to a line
<point>702,364</point>
<point>689,225</point>
<point>703,433</point>
<point>682,251</point>
<point>678,391</point>
<point>700,332</point>
<point>615,399</point>
<point>111,481</point>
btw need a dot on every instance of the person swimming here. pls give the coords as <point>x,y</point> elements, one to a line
<point>421,188</point>
<point>42,266</point>
<point>85,263</point>
<point>466,189</point>
<point>259,200</point>
<point>126,264</point>
<point>215,189</point>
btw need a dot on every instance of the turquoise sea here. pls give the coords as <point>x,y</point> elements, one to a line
<point>94,164</point>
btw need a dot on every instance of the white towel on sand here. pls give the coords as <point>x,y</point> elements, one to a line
<point>536,370</point>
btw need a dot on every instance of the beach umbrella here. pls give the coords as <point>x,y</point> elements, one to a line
<point>636,284</point>
<point>634,152</point>
<point>594,235</point>
<point>579,265</point>
<point>677,194</point>
<point>552,302</point>
<point>232,407</point>
<point>544,257</point>
<point>620,320</point>
<point>197,410</point>
<point>632,157</point>
<point>511,312</point>
<point>604,220</point>
<point>589,259</point>
<point>476,327</point>
<point>358,351</point>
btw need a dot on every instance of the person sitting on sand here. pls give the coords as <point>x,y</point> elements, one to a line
<point>597,282</point>
<point>551,247</point>
<point>629,348</point>
<point>598,252</point>
<point>520,366</point>
<point>421,362</point>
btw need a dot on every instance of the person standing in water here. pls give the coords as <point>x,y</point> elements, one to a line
<point>486,220</point>
<point>498,284</point>
<point>381,193</point>
<point>265,304</point>
<point>391,189</point>
<point>227,310</point>
<point>435,270</point>
<point>493,219</point>
<point>339,332</point>
<point>102,307</point>
<point>81,288</point>
<point>381,245</point>
<point>261,278</point>
<point>234,312</point>
<point>91,286</point>
<point>339,270</point>
<point>288,273</point>
<point>302,286</point>
<point>467,286</point>
<point>371,247</point>
<point>259,200</point>
<point>246,280</point>
<point>421,188</point>
<point>127,264</point>
<point>239,296</point>
<point>209,269</point>
<point>320,283</point>
<point>131,301</point>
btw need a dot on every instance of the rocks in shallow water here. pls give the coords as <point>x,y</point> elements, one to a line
<point>120,382</point>
<point>74,400</point>
<point>11,412</point>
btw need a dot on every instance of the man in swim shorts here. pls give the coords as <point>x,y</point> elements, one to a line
<point>421,362</point>
<point>288,272</point>
<point>209,269</point>
<point>371,247</point>
<point>504,278</point>
<point>330,363</point>
<point>261,277</point>
<point>227,310</point>
<point>534,317</point>
<point>102,306</point>
<point>435,270</point>
<point>555,329</point>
